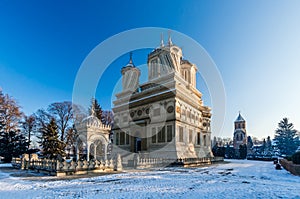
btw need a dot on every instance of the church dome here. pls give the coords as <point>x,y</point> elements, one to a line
<point>91,121</point>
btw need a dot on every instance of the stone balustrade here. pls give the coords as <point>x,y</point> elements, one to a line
<point>68,167</point>
<point>186,162</point>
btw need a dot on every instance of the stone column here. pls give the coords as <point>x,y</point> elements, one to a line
<point>88,151</point>
<point>77,152</point>
<point>105,151</point>
<point>95,151</point>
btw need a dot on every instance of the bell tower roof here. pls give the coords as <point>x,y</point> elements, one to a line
<point>130,63</point>
<point>240,118</point>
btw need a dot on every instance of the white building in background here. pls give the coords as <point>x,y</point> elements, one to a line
<point>164,117</point>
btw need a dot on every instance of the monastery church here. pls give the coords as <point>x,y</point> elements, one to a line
<point>164,117</point>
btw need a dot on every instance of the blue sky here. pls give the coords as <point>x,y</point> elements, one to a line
<point>255,45</point>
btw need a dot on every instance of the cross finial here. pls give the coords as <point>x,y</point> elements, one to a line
<point>170,43</point>
<point>162,40</point>
<point>130,58</point>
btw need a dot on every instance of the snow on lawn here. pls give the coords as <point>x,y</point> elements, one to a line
<point>237,179</point>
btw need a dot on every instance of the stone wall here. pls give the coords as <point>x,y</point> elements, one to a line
<point>290,166</point>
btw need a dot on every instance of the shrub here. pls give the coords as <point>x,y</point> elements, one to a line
<point>296,158</point>
<point>278,167</point>
<point>288,158</point>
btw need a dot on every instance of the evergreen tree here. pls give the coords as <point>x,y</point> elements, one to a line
<point>269,144</point>
<point>229,152</point>
<point>95,106</point>
<point>71,140</point>
<point>286,137</point>
<point>52,146</point>
<point>12,144</point>
<point>243,151</point>
<point>263,147</point>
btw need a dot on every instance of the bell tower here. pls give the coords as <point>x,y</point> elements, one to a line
<point>240,133</point>
<point>130,76</point>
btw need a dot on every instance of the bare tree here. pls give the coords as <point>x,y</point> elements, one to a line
<point>79,113</point>
<point>28,125</point>
<point>10,113</point>
<point>63,114</point>
<point>12,142</point>
<point>107,117</point>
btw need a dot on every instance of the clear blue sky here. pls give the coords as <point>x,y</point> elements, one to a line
<point>255,45</point>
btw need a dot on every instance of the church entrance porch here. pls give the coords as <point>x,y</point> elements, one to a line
<point>139,144</point>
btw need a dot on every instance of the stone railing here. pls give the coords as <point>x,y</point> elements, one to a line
<point>199,161</point>
<point>65,167</point>
<point>151,162</point>
<point>138,162</point>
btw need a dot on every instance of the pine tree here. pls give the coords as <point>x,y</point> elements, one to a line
<point>12,144</point>
<point>243,151</point>
<point>52,146</point>
<point>269,144</point>
<point>97,109</point>
<point>286,137</point>
<point>263,147</point>
<point>71,141</point>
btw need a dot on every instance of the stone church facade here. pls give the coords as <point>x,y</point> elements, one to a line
<point>164,117</point>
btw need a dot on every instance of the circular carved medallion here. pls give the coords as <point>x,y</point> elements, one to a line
<point>170,109</point>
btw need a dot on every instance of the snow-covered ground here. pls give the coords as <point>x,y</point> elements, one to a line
<point>237,179</point>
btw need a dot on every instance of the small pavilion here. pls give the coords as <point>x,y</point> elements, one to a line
<point>92,138</point>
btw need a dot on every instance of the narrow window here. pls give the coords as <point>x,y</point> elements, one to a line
<point>117,138</point>
<point>169,133</point>
<point>204,140</point>
<point>162,135</point>
<point>190,136</point>
<point>122,138</point>
<point>127,138</point>
<point>198,138</point>
<point>154,135</point>
<point>180,134</point>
